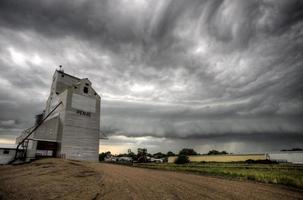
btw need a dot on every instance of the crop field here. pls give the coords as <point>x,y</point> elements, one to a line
<point>285,174</point>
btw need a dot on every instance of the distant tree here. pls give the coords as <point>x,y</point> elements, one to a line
<point>142,151</point>
<point>182,159</point>
<point>250,161</point>
<point>215,152</point>
<point>142,155</point>
<point>293,149</point>
<point>131,154</point>
<point>188,152</point>
<point>170,153</point>
<point>122,155</point>
<point>159,155</point>
<point>104,155</point>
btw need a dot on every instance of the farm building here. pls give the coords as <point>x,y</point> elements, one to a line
<point>70,124</point>
<point>222,158</point>
<point>295,157</point>
<point>7,153</point>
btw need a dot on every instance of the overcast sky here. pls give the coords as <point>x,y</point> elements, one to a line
<point>211,74</point>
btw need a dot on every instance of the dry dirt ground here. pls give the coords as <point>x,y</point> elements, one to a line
<point>62,179</point>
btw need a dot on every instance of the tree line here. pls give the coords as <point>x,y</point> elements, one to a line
<point>142,154</point>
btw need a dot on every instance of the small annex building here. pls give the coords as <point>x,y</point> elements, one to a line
<point>7,153</point>
<point>69,127</point>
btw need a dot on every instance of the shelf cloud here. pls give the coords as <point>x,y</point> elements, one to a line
<point>222,71</point>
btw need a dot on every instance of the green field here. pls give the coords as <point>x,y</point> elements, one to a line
<point>286,174</point>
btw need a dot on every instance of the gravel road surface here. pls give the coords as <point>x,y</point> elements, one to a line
<point>122,182</point>
<point>62,179</point>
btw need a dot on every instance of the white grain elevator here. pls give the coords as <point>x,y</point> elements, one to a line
<point>70,125</point>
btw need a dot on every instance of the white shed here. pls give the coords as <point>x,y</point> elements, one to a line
<point>7,153</point>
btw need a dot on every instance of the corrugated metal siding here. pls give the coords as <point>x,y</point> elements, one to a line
<point>48,130</point>
<point>80,143</point>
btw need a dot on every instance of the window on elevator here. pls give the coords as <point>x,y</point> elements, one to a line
<point>5,151</point>
<point>85,90</point>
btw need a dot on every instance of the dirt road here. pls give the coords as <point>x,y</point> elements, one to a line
<point>61,179</point>
<point>121,182</point>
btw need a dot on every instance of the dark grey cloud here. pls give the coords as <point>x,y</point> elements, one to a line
<point>255,143</point>
<point>215,70</point>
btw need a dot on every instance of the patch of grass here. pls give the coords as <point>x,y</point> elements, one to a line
<point>285,174</point>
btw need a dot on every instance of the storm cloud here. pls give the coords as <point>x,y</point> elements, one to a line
<point>170,73</point>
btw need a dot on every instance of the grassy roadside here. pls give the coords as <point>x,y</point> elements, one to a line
<point>285,174</point>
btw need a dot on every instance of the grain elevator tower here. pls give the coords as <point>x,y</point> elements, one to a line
<point>70,125</point>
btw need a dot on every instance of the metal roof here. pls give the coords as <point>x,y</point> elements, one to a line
<point>8,146</point>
